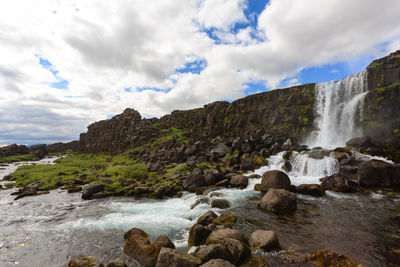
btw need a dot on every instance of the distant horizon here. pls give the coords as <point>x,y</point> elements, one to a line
<point>66,65</point>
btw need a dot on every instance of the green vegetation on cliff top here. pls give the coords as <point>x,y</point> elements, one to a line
<point>26,157</point>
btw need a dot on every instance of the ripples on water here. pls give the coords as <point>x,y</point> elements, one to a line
<point>49,229</point>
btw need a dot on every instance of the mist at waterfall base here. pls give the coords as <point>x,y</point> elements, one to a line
<point>47,230</point>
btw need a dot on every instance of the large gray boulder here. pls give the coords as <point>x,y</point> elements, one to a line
<point>175,258</point>
<point>266,240</point>
<point>240,181</point>
<point>276,180</point>
<point>278,201</point>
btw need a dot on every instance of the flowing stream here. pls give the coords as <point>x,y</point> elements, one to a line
<point>47,230</point>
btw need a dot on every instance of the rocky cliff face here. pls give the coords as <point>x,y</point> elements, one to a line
<point>285,112</point>
<point>118,134</point>
<point>382,104</point>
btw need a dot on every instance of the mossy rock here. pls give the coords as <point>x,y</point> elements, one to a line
<point>254,261</point>
<point>324,258</point>
<point>226,219</point>
<point>83,261</point>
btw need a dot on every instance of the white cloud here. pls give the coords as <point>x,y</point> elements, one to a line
<point>103,47</point>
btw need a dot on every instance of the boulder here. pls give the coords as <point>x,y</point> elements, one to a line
<point>287,145</point>
<point>220,150</point>
<point>314,190</point>
<point>117,263</point>
<point>278,201</point>
<point>140,191</point>
<point>193,181</point>
<point>162,241</point>
<point>220,203</point>
<point>92,189</point>
<point>362,142</point>
<point>29,190</point>
<point>275,179</point>
<point>332,259</point>
<point>375,173</point>
<point>175,258</point>
<point>197,235</point>
<point>138,247</point>
<point>266,240</point>
<point>240,181</point>
<point>226,219</point>
<point>338,183</point>
<point>217,263</point>
<point>216,237</point>
<point>247,164</point>
<point>239,250</point>
<point>135,231</point>
<point>213,251</point>
<point>207,218</point>
<point>223,183</point>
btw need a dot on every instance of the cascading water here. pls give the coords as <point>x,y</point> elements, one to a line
<point>338,108</point>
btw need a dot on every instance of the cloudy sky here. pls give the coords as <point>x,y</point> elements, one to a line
<point>65,64</point>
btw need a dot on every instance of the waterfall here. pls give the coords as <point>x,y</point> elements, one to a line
<point>307,164</point>
<point>338,109</point>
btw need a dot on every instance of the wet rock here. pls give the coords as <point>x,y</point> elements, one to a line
<point>266,240</point>
<point>332,259</point>
<point>137,246</point>
<point>287,145</point>
<point>255,261</point>
<point>207,218</point>
<point>140,191</point>
<point>162,241</point>
<point>254,176</point>
<point>247,164</point>
<point>84,261</point>
<point>375,173</point>
<point>363,142</point>
<point>239,250</point>
<point>193,181</point>
<point>29,190</point>
<point>314,190</point>
<point>226,219</point>
<point>197,235</point>
<point>223,183</point>
<point>100,195</point>
<point>278,201</point>
<point>203,200</point>
<point>287,166</point>
<point>338,183</point>
<point>287,155</point>
<point>240,181</point>
<point>174,258</point>
<point>275,179</point>
<point>216,237</point>
<point>220,203</point>
<point>135,231</point>
<point>217,263</point>
<point>258,187</point>
<point>117,263</point>
<point>213,251</point>
<point>220,150</point>
<point>92,189</point>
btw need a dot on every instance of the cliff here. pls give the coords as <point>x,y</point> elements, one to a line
<point>283,112</point>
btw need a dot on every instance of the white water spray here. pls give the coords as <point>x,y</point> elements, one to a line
<point>339,108</point>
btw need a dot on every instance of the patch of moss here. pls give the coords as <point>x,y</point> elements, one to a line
<point>204,165</point>
<point>26,157</point>
<point>181,168</point>
<point>375,65</point>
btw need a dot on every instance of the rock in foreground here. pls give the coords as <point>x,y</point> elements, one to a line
<point>279,201</point>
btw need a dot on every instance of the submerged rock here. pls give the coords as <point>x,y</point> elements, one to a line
<point>84,261</point>
<point>314,190</point>
<point>279,201</point>
<point>332,259</point>
<point>220,203</point>
<point>117,263</point>
<point>276,180</point>
<point>226,219</point>
<point>217,263</point>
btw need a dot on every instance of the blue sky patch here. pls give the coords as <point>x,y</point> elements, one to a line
<point>194,67</point>
<point>61,83</point>
<point>141,89</point>
<point>128,90</point>
<point>109,116</point>
<point>254,87</point>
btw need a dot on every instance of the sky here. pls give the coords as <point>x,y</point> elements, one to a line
<point>65,64</point>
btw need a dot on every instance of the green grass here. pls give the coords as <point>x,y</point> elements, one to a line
<point>26,157</point>
<point>181,168</point>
